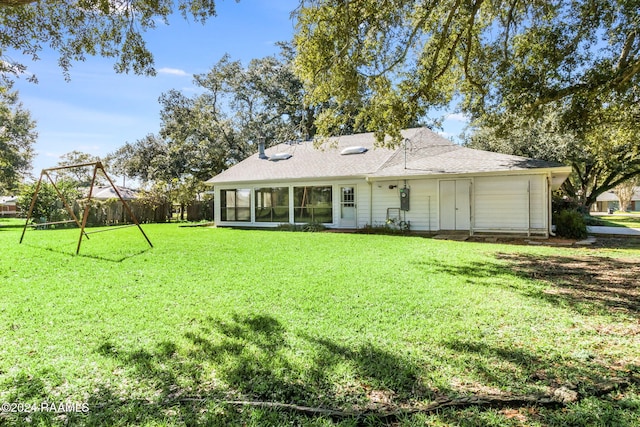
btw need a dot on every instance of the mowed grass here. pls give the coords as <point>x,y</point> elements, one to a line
<point>628,220</point>
<point>170,335</point>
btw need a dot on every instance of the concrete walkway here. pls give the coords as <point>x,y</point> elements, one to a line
<point>613,231</point>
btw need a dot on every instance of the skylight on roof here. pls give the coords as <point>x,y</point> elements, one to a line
<point>354,150</point>
<point>280,156</point>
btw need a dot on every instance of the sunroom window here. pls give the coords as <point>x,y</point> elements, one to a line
<point>235,204</point>
<point>313,204</point>
<point>272,204</point>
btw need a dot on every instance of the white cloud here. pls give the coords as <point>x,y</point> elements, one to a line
<point>458,117</point>
<point>11,67</point>
<point>445,134</point>
<point>173,71</point>
<point>50,154</point>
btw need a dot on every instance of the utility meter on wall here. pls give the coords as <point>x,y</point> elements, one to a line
<point>404,199</point>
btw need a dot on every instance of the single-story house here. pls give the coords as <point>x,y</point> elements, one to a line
<point>108,192</point>
<point>427,182</point>
<point>609,200</point>
<point>8,206</point>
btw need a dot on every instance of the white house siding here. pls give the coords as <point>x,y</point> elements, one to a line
<point>514,203</point>
<point>423,212</point>
<point>364,203</point>
<point>510,203</point>
<point>423,208</point>
<point>386,194</point>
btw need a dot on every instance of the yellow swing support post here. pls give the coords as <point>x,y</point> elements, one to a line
<point>96,166</point>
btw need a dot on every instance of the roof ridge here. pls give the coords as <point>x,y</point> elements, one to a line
<point>422,139</point>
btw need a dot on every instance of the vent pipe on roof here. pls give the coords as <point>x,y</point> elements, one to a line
<point>261,153</point>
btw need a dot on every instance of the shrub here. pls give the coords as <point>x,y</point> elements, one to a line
<point>386,229</point>
<point>570,224</point>
<point>313,227</point>
<point>309,227</point>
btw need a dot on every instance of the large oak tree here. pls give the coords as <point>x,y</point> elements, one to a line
<point>77,28</point>
<point>203,134</point>
<point>17,136</point>
<point>408,56</point>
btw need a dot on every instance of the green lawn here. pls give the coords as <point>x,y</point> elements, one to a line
<point>628,220</point>
<point>368,324</point>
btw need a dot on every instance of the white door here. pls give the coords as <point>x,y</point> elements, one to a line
<point>455,204</point>
<point>348,208</point>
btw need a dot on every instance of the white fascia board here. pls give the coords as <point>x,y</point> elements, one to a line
<point>540,171</point>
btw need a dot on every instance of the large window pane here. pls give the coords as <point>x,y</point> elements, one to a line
<point>236,205</point>
<point>313,204</point>
<point>272,204</point>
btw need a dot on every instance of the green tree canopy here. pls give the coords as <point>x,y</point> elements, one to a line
<point>77,28</point>
<point>604,152</point>
<point>17,136</point>
<point>239,105</point>
<point>143,159</point>
<point>406,57</point>
<point>82,176</point>
<point>203,135</point>
<point>48,205</point>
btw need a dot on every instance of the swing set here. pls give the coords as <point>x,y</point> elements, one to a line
<point>97,166</point>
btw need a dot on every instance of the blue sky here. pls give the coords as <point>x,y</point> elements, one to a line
<point>99,110</point>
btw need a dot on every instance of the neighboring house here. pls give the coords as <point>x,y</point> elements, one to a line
<point>107,192</point>
<point>609,200</point>
<point>8,206</point>
<point>427,182</point>
<point>112,213</point>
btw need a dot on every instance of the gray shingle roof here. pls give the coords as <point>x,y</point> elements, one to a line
<point>106,193</point>
<point>427,153</point>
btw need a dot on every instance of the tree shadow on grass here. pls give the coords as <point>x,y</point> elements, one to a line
<point>503,367</point>
<point>542,374</point>
<point>588,284</point>
<point>472,271</point>
<point>193,381</point>
<point>486,273</point>
<point>250,358</point>
<point>380,378</point>
<point>259,363</point>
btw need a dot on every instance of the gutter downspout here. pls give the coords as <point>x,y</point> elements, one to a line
<point>529,208</point>
<point>429,211</point>
<point>370,200</point>
<point>550,211</point>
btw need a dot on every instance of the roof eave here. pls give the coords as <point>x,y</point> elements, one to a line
<point>557,171</point>
<point>288,180</point>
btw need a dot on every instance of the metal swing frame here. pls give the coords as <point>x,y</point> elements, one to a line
<point>96,166</point>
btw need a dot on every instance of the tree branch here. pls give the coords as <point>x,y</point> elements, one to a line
<point>626,50</point>
<point>467,55</point>
<point>557,398</point>
<point>620,78</point>
<point>507,25</point>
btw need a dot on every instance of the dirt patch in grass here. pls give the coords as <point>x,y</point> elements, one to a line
<point>609,284</point>
<point>608,242</point>
<point>617,242</point>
